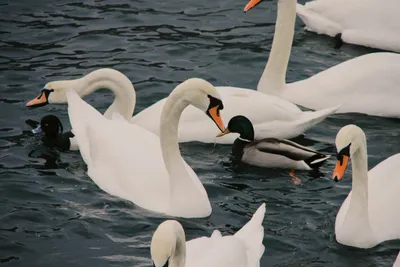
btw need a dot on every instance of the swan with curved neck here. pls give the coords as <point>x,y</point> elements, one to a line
<point>243,249</point>
<point>272,116</point>
<point>370,213</point>
<point>364,84</point>
<point>127,161</point>
<point>118,83</point>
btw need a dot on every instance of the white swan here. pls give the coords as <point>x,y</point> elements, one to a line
<point>128,161</point>
<point>370,214</point>
<point>271,116</point>
<point>366,84</point>
<point>243,249</point>
<point>371,23</point>
<point>397,262</point>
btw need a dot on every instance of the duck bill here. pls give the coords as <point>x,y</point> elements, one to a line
<point>223,133</point>
<point>340,169</point>
<point>251,4</point>
<point>41,100</point>
<point>37,130</point>
<point>214,115</point>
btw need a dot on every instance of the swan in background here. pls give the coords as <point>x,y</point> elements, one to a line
<point>397,262</point>
<point>271,116</point>
<point>55,92</point>
<point>370,214</point>
<point>366,84</point>
<point>243,249</point>
<point>371,23</point>
<point>130,162</point>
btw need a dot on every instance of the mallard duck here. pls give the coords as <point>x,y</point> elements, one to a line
<point>270,152</point>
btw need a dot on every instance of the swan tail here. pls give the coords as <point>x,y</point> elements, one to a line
<point>316,22</point>
<point>216,234</point>
<point>252,235</point>
<point>311,118</point>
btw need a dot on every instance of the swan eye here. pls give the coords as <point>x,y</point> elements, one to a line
<point>344,152</point>
<point>215,102</point>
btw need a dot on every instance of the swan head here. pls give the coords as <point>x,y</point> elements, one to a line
<point>348,140</point>
<point>168,245</point>
<point>204,96</point>
<point>52,93</point>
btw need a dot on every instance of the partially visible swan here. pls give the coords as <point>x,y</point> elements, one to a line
<point>371,23</point>
<point>272,116</point>
<point>397,262</point>
<point>370,214</point>
<point>243,249</point>
<point>130,162</point>
<point>366,84</point>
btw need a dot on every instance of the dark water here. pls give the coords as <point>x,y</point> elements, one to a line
<point>52,214</point>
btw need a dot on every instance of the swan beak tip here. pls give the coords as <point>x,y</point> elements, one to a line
<point>222,133</point>
<point>41,100</point>
<point>251,4</point>
<point>213,113</point>
<point>340,168</point>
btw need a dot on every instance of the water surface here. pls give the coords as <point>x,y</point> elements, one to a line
<point>52,214</point>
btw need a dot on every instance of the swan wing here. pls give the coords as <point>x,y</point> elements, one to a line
<point>243,249</point>
<point>123,159</point>
<point>384,196</point>
<point>371,23</point>
<point>366,84</point>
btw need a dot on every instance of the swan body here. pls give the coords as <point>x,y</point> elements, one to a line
<point>367,84</point>
<point>370,214</point>
<point>130,162</point>
<point>243,249</point>
<point>271,115</point>
<point>370,23</point>
<point>397,262</point>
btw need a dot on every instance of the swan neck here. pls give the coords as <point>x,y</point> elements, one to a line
<point>360,178</point>
<point>119,84</point>
<point>169,123</point>
<point>178,258</point>
<point>356,228</point>
<point>273,78</point>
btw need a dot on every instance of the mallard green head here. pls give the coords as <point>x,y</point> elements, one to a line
<point>241,125</point>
